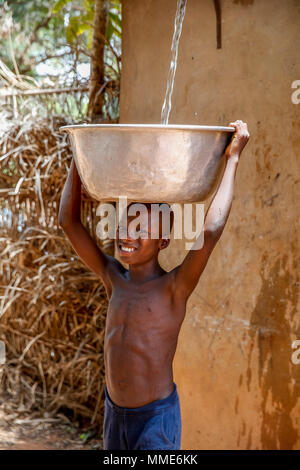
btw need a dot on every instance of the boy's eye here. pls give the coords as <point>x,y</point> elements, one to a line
<point>122,231</point>
<point>144,234</point>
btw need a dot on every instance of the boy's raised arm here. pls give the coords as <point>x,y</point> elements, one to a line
<point>80,239</point>
<point>188,273</point>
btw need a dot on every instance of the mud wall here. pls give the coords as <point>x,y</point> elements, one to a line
<point>239,388</point>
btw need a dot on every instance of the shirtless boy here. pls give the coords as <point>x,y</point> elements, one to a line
<point>147,306</point>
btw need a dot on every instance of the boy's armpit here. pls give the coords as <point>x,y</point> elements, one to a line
<point>188,273</point>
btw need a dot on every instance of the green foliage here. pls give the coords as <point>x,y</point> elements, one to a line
<point>80,23</point>
<point>57,33</point>
<point>114,26</point>
<point>50,41</point>
<point>77,26</point>
<point>58,5</point>
<point>35,35</point>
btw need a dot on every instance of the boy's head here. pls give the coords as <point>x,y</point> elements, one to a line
<point>146,232</point>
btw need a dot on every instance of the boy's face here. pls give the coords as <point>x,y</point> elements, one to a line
<point>142,249</point>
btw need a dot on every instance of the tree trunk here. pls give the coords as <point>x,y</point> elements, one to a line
<point>94,112</point>
<point>96,82</point>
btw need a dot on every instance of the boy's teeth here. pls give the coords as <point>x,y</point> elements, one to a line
<point>124,248</point>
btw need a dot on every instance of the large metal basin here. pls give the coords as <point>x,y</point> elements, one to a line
<point>149,162</point>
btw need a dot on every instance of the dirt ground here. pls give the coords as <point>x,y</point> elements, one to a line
<point>27,433</point>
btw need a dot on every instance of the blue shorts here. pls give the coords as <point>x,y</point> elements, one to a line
<point>154,426</point>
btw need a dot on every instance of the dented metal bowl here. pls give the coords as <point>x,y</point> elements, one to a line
<point>149,162</point>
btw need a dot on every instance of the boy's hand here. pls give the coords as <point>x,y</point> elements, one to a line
<point>239,139</point>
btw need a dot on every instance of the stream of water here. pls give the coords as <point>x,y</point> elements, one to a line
<point>167,105</point>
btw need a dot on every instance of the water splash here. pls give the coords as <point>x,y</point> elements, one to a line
<point>167,105</point>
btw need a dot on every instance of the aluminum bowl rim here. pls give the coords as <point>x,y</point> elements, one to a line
<point>149,127</point>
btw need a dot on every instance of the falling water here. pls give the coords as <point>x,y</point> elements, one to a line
<point>166,108</point>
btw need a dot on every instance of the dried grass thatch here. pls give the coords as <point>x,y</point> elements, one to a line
<point>53,309</point>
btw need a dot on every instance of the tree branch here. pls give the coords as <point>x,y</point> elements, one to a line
<point>33,37</point>
<point>44,59</point>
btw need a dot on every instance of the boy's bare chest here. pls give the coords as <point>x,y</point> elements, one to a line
<point>142,318</point>
<point>139,304</point>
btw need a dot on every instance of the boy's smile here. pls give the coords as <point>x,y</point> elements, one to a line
<point>125,248</point>
<point>136,250</point>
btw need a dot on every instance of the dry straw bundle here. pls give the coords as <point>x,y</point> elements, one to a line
<point>52,308</point>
